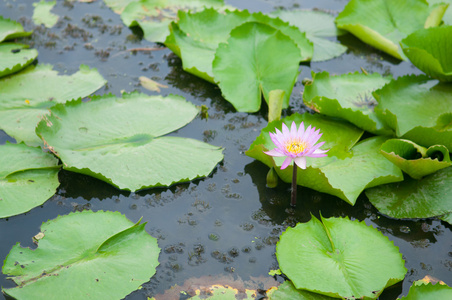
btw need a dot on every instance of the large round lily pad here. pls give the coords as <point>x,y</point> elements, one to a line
<point>339,258</point>
<point>119,140</point>
<point>83,255</point>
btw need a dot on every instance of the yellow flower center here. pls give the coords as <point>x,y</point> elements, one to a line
<point>295,146</point>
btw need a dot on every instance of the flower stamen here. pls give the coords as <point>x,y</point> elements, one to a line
<point>295,146</point>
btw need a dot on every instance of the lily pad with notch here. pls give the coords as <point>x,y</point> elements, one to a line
<point>120,140</point>
<point>106,263</point>
<point>256,60</point>
<point>333,257</point>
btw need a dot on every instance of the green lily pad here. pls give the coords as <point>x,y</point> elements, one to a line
<point>10,29</point>
<point>339,258</point>
<point>27,96</point>
<point>28,177</point>
<point>106,263</point>
<point>332,174</point>
<point>287,291</point>
<point>255,60</point>
<point>384,23</point>
<point>411,198</point>
<point>15,57</point>
<point>415,160</point>
<point>154,16</point>
<point>429,50</point>
<point>119,140</point>
<point>447,218</point>
<point>347,96</point>
<point>447,17</point>
<point>420,291</point>
<point>42,14</point>
<point>417,108</point>
<point>318,26</point>
<point>196,37</point>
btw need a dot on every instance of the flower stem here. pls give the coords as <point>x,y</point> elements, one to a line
<point>293,199</point>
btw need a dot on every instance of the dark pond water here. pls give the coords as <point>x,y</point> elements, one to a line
<point>224,227</point>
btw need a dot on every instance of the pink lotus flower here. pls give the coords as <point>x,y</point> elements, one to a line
<point>296,144</point>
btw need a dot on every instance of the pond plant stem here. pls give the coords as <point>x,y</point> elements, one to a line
<point>293,198</point>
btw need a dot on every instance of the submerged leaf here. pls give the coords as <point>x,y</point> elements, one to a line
<point>42,14</point>
<point>411,198</point>
<point>256,60</point>
<point>417,108</point>
<point>15,57</point>
<point>318,26</point>
<point>119,140</point>
<point>429,50</point>
<point>334,257</point>
<point>28,177</point>
<point>384,23</point>
<point>106,263</point>
<point>154,16</point>
<point>27,96</point>
<point>347,96</point>
<point>10,29</point>
<point>415,160</point>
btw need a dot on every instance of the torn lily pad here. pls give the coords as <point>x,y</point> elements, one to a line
<point>429,50</point>
<point>331,174</point>
<point>383,23</point>
<point>154,16</point>
<point>15,57</point>
<point>195,38</point>
<point>318,26</point>
<point>417,108</point>
<point>27,96</point>
<point>109,262</point>
<point>10,29</point>
<point>28,178</point>
<point>347,96</point>
<point>42,14</point>
<point>333,257</point>
<point>121,140</point>
<point>415,160</point>
<point>256,60</point>
<point>411,198</point>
